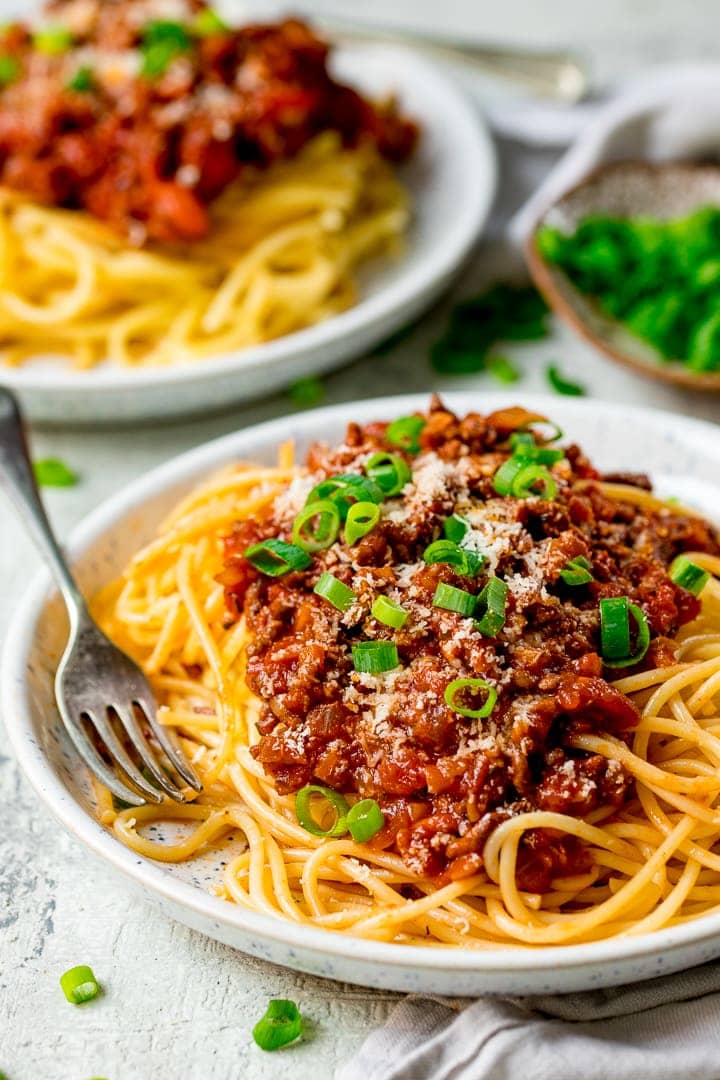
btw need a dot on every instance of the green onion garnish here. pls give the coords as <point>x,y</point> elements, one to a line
<point>389,612</point>
<point>346,489</point>
<point>456,691</point>
<point>467,563</point>
<point>208,22</point>
<point>502,369</point>
<point>561,385</point>
<point>305,816</point>
<point>335,592</point>
<point>389,471</point>
<point>362,517</point>
<point>82,81</point>
<point>79,984</point>
<point>305,392</point>
<point>317,526</point>
<point>492,602</point>
<point>405,433</point>
<point>364,820</point>
<point>275,557</point>
<point>505,475</point>
<point>9,69</point>
<point>52,40</point>
<point>281,1025</point>
<point>527,480</point>
<point>52,472</point>
<point>455,528</point>
<point>688,575</point>
<point>535,428</point>
<point>452,599</point>
<point>524,446</point>
<point>577,571</point>
<point>162,42</point>
<point>374,657</point>
<point>615,614</point>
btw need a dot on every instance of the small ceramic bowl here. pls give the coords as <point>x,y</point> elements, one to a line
<point>662,190</point>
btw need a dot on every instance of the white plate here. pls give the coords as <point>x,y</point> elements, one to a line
<point>452,179</point>
<point>684,457</point>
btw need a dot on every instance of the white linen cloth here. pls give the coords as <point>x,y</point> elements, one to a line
<point>663,1029</point>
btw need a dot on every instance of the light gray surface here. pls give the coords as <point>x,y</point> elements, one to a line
<point>176,1005</point>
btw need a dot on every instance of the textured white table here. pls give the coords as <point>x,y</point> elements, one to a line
<point>176,1005</point>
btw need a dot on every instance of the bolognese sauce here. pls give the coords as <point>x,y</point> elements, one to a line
<point>142,111</point>
<point>444,767</point>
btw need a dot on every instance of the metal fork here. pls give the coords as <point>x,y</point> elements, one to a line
<point>96,686</point>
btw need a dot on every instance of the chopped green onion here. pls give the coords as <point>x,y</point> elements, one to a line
<point>456,691</point>
<point>374,657</point>
<point>534,426</point>
<point>162,42</point>
<point>280,1026</point>
<point>208,22</point>
<point>79,984</point>
<point>389,471</point>
<point>614,627</point>
<point>52,472</point>
<point>275,557</point>
<point>305,816</point>
<point>502,369</point>
<point>389,612</point>
<point>365,819</point>
<point>452,599</point>
<point>362,517</point>
<point>335,592</point>
<point>53,40</point>
<point>306,392</point>
<point>317,526</point>
<point>526,481</point>
<point>346,489</point>
<point>505,475</point>
<point>405,433</point>
<point>524,446</point>
<point>577,571</point>
<point>561,385</point>
<point>9,69</point>
<point>455,528</point>
<point>467,563</point>
<point>492,602</point>
<point>688,575</point>
<point>82,81</point>
<point>615,634</point>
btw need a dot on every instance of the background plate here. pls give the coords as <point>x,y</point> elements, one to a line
<point>452,180</point>
<point>684,457</point>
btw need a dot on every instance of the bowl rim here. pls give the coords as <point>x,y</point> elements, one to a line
<point>544,275</point>
<point>405,68</point>
<point>17,714</point>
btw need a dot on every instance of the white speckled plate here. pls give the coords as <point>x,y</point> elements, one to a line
<point>684,458</point>
<point>452,181</point>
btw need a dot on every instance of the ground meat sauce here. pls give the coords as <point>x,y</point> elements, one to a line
<point>444,781</point>
<point>163,116</point>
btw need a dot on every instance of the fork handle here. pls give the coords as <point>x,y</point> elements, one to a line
<point>18,480</point>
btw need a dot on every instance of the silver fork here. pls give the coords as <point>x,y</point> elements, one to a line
<point>96,683</point>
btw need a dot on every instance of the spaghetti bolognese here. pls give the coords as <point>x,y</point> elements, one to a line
<point>451,685</point>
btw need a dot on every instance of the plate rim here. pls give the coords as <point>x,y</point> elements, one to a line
<point>17,715</point>
<point>480,151</point>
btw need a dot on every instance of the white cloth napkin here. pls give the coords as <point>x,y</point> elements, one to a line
<point>663,1029</point>
<point>669,112</point>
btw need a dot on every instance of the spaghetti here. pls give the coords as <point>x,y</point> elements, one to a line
<point>644,856</point>
<point>283,254</point>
